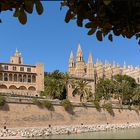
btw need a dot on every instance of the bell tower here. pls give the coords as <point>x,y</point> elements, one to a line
<point>17,58</point>
<point>90,67</point>
<point>71,68</point>
<point>80,64</point>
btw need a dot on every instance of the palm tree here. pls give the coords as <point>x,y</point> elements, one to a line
<point>54,85</point>
<point>82,88</point>
<point>54,89</point>
<point>104,89</point>
<point>136,94</point>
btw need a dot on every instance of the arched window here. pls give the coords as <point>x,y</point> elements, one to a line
<point>32,88</point>
<point>5,77</point>
<point>33,78</point>
<point>10,77</point>
<point>85,70</point>
<point>1,77</point>
<point>22,88</point>
<point>29,78</point>
<point>3,87</point>
<point>72,64</point>
<point>15,77</point>
<point>20,78</point>
<point>24,78</point>
<point>12,87</point>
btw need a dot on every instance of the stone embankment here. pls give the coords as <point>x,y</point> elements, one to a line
<point>57,130</point>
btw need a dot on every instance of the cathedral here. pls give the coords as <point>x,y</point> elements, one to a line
<point>93,71</point>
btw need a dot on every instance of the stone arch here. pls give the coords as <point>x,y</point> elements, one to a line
<point>15,77</point>
<point>1,77</point>
<point>32,88</point>
<point>10,77</point>
<point>22,88</point>
<point>3,87</point>
<point>20,78</point>
<point>24,78</point>
<point>33,78</point>
<point>29,78</point>
<point>12,87</point>
<point>5,77</point>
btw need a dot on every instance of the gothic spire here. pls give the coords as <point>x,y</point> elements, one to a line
<point>79,55</point>
<point>90,58</point>
<point>71,55</point>
<point>124,66</point>
<point>71,59</point>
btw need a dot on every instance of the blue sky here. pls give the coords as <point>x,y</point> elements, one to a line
<point>48,39</point>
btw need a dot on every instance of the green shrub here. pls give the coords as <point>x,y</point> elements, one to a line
<point>97,105</point>
<point>2,101</point>
<point>66,104</point>
<point>36,101</point>
<point>129,107</point>
<point>108,107</point>
<point>43,93</point>
<point>121,107</point>
<point>47,104</point>
<point>84,105</point>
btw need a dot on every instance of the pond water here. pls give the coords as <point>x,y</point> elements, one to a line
<point>114,134</point>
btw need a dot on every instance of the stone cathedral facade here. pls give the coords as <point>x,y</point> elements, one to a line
<point>93,71</point>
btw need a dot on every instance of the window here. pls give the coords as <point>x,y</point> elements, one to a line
<point>20,78</point>
<point>5,67</point>
<point>5,77</point>
<point>85,70</point>
<point>14,68</point>
<point>29,78</point>
<point>19,60</point>
<point>28,69</point>
<point>21,68</point>
<point>138,80</point>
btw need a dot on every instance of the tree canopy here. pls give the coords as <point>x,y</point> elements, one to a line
<point>102,17</point>
<point>122,87</point>
<point>55,85</point>
<point>21,8</point>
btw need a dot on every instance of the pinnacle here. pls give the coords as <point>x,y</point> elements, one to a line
<point>79,50</point>
<point>71,55</point>
<point>90,58</point>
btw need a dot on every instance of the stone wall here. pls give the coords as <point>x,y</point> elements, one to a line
<point>30,115</point>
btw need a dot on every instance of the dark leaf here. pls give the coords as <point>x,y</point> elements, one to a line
<point>92,31</point>
<point>16,13</point>
<point>29,6</point>
<point>64,3</point>
<point>39,7</point>
<point>110,37</point>
<point>116,32</point>
<point>22,17</point>
<point>89,25</point>
<point>99,35</point>
<point>80,22</point>
<point>68,16</point>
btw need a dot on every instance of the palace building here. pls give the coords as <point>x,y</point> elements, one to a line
<point>93,71</point>
<point>19,78</point>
